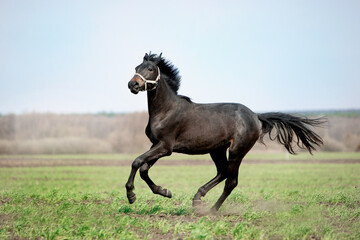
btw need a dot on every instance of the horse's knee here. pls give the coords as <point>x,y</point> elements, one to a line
<point>137,163</point>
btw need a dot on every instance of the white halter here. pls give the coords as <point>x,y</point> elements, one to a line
<point>155,82</point>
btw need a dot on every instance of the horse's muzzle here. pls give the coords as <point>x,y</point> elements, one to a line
<point>134,87</point>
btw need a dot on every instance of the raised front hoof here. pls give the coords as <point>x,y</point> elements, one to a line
<point>131,197</point>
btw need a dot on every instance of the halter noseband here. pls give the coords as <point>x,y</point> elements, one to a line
<point>155,82</point>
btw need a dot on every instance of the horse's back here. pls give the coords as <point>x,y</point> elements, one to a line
<point>234,114</point>
<point>205,127</point>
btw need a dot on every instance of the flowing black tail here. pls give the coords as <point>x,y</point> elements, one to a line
<point>287,125</point>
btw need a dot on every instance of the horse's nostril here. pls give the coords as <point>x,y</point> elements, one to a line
<point>132,84</point>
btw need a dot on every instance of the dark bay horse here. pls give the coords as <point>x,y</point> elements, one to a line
<point>176,124</point>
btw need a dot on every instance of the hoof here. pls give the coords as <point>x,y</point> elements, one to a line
<point>214,210</point>
<point>165,193</point>
<point>168,193</point>
<point>200,208</point>
<point>131,197</point>
<point>162,191</point>
<point>196,203</point>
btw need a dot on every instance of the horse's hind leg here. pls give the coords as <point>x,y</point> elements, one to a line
<point>219,158</point>
<point>154,188</point>
<point>237,151</point>
<point>230,183</point>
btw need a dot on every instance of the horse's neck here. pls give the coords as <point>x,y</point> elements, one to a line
<point>161,99</point>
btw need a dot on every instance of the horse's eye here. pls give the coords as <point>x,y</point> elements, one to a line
<point>150,69</point>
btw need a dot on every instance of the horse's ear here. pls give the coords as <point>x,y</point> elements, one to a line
<point>158,59</point>
<point>146,57</point>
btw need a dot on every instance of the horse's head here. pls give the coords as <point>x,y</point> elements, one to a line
<point>147,74</point>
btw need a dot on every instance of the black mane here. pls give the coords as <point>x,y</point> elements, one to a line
<point>167,68</point>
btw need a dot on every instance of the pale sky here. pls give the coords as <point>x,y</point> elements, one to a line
<point>78,56</point>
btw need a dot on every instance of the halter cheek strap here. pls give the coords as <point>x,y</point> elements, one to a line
<point>155,82</point>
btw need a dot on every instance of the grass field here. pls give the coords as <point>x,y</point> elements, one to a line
<point>272,201</point>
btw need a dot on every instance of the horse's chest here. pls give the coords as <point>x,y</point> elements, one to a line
<point>157,129</point>
<point>153,132</point>
<point>149,133</point>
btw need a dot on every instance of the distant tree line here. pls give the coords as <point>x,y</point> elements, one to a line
<point>48,133</point>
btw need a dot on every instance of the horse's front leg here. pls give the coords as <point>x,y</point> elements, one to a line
<point>156,152</point>
<point>156,189</point>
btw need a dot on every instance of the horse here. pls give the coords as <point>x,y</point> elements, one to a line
<point>176,124</point>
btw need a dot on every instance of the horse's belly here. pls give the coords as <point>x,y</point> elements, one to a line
<point>205,142</point>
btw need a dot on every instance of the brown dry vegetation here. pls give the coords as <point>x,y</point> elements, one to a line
<point>47,133</point>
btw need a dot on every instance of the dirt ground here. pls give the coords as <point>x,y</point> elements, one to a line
<point>18,162</point>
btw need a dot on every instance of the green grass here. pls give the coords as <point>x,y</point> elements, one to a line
<point>298,201</point>
<point>175,156</point>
